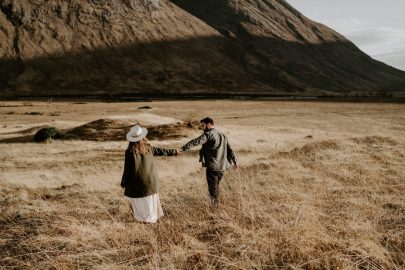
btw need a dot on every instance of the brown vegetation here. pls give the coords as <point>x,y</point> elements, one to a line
<point>111,130</point>
<point>334,202</point>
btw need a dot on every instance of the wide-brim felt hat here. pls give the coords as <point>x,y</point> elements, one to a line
<point>136,133</point>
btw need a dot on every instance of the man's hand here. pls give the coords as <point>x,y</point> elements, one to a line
<point>236,167</point>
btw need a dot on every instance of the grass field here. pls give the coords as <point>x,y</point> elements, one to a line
<point>321,186</point>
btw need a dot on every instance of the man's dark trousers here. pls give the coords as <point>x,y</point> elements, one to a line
<point>213,179</point>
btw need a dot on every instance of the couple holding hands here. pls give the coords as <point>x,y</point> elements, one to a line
<point>140,179</point>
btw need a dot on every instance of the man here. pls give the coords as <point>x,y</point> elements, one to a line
<point>216,155</point>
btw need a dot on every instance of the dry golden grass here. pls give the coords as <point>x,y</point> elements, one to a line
<point>333,201</point>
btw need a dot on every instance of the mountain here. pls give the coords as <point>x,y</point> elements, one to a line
<point>172,47</point>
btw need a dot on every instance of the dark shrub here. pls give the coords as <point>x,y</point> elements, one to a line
<point>33,113</point>
<point>47,133</point>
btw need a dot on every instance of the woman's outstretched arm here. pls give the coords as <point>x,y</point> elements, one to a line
<point>163,152</point>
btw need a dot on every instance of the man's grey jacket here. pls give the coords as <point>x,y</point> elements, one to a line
<point>216,154</point>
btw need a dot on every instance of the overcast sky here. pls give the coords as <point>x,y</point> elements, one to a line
<point>377,27</point>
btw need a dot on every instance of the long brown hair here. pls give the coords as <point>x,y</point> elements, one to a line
<point>142,147</point>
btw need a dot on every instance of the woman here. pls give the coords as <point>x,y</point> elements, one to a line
<point>140,178</point>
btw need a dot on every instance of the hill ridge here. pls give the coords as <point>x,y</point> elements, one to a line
<point>129,47</point>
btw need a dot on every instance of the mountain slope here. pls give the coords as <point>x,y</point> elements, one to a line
<point>96,47</point>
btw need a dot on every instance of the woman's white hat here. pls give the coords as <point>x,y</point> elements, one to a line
<point>136,133</point>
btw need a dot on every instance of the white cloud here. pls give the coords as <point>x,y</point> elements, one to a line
<point>376,27</point>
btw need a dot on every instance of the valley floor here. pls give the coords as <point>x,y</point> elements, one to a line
<point>321,186</point>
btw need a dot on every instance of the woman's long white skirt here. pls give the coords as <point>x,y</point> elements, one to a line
<point>147,209</point>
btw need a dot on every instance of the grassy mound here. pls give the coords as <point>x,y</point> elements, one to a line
<point>115,130</point>
<point>104,130</point>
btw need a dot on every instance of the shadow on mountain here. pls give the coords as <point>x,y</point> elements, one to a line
<point>204,66</point>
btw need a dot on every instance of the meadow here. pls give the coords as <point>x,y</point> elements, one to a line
<point>321,186</point>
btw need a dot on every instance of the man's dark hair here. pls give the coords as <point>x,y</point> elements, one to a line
<point>207,121</point>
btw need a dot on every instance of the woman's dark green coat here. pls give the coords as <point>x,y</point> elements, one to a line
<point>140,177</point>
